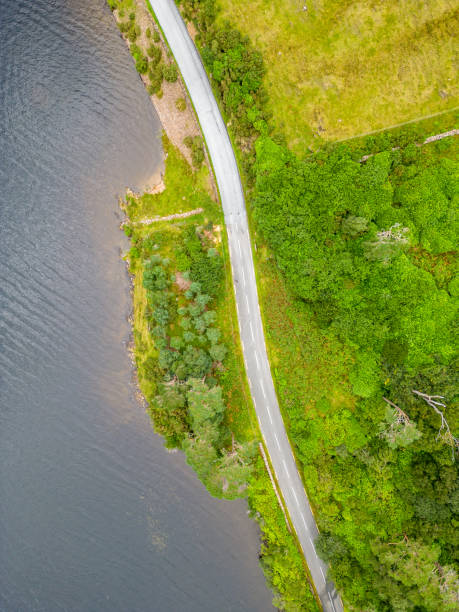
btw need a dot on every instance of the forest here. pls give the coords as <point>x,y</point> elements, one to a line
<point>369,251</point>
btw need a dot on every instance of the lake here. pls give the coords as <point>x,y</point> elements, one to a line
<point>95,515</point>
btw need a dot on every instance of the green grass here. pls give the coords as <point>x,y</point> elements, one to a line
<point>307,366</point>
<point>347,67</point>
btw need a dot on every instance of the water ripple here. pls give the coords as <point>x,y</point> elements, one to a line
<point>94,514</point>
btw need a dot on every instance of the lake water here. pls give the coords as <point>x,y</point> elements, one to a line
<point>95,515</point>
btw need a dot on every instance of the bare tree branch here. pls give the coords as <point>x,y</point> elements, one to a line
<point>444,432</point>
<point>402,417</point>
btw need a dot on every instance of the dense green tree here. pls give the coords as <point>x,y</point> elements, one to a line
<point>204,403</point>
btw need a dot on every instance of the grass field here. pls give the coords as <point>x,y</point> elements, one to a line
<point>345,67</point>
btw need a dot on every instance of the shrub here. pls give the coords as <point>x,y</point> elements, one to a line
<point>142,65</point>
<point>197,156</point>
<point>197,150</point>
<point>148,33</point>
<point>155,53</point>
<point>180,104</point>
<point>218,352</point>
<point>188,141</point>
<point>132,36</point>
<point>156,78</point>
<point>156,36</point>
<point>135,51</point>
<point>170,73</point>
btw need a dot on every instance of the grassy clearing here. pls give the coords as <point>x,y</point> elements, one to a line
<point>345,67</point>
<point>307,366</point>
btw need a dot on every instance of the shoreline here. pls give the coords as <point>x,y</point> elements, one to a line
<point>177,124</point>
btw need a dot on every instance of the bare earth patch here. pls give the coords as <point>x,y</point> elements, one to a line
<point>177,124</point>
<point>182,283</point>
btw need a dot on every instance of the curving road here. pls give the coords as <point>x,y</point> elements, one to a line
<point>251,329</point>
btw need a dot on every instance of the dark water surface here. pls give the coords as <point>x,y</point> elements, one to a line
<point>94,514</point>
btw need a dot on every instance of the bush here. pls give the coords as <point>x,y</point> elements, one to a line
<point>156,36</point>
<point>170,73</point>
<point>148,33</point>
<point>155,53</point>
<point>132,36</point>
<point>142,65</point>
<point>197,149</point>
<point>136,52</point>
<point>156,78</point>
<point>180,104</point>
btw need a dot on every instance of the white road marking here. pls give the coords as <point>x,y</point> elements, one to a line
<point>262,389</point>
<point>239,247</point>
<point>243,275</point>
<point>322,572</point>
<point>256,359</point>
<point>285,468</point>
<point>247,302</point>
<point>331,601</point>
<point>304,522</point>
<point>296,498</point>
<point>269,414</point>
<point>312,543</point>
<point>277,442</point>
<point>251,331</point>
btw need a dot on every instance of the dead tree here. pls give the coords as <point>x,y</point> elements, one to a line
<point>444,432</point>
<point>402,431</point>
<point>402,418</point>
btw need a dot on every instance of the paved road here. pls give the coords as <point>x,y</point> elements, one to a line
<point>253,341</point>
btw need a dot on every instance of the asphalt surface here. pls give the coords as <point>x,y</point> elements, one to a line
<point>251,329</point>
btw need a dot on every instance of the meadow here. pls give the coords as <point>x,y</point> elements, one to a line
<point>339,68</point>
